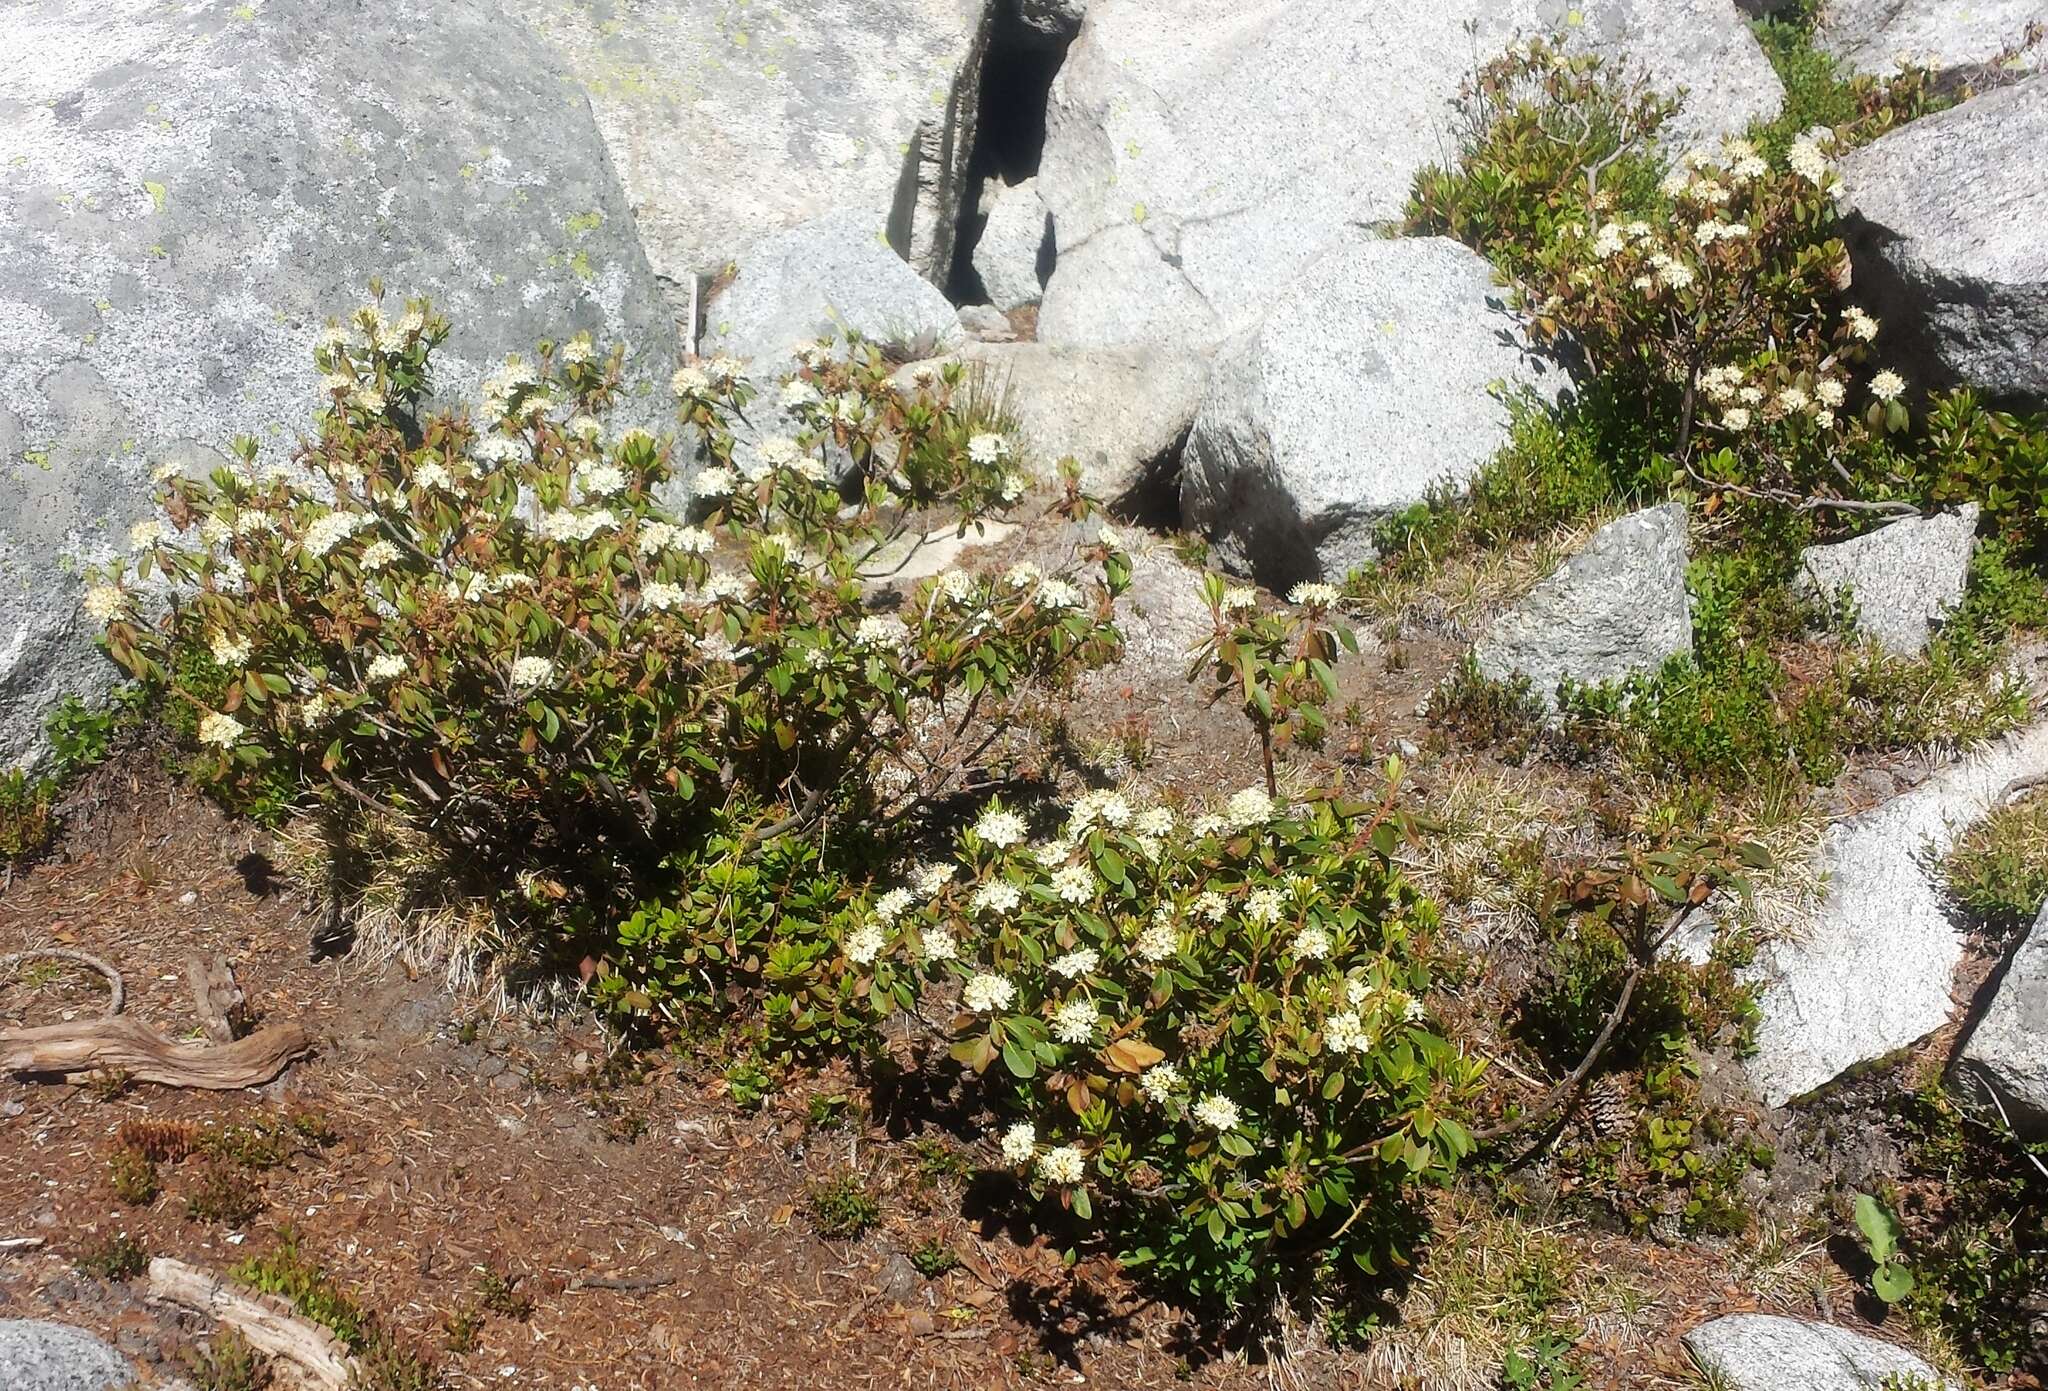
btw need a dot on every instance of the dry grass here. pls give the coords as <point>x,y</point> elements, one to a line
<point>1455,595</point>
<point>1492,1286</point>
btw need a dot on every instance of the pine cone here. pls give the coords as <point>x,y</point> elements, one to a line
<point>1608,1106</point>
<point>163,1142</point>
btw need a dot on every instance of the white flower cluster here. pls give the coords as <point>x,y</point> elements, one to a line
<point>331,529</point>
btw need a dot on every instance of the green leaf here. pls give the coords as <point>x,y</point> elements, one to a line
<point>1891,1283</point>
<point>1019,1060</point>
<point>1879,1227</point>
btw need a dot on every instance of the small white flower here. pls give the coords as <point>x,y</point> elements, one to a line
<point>1212,906</point>
<point>1064,1166</point>
<point>530,672</point>
<point>865,944</point>
<point>1076,964</point>
<point>1158,942</point>
<point>1311,944</point>
<point>432,477</point>
<point>1154,821</point>
<point>1074,883</point>
<point>1825,419</point>
<point>714,482</point>
<point>798,394</point>
<point>1020,1142</point>
<point>103,602</point>
<point>377,555</point>
<point>602,480</point>
<point>316,710</point>
<point>891,905</point>
<point>222,731</point>
<point>1218,1113</point>
<point>1001,827</point>
<point>1314,596</point>
<point>1344,1033</point>
<point>1109,537</point>
<point>725,584</point>
<point>988,449</point>
<point>880,630</point>
<point>1015,485</point>
<point>1793,399</point>
<point>661,596</point>
<point>1807,161</point>
<point>689,381</point>
<point>1238,597</point>
<point>1251,807</point>
<point>231,651</point>
<point>144,534</point>
<point>938,944</point>
<point>1861,325</point>
<point>996,896</point>
<point>985,994</point>
<point>1058,594</point>
<point>1264,906</point>
<point>330,529</point>
<point>1887,385</point>
<point>1830,391</point>
<point>1735,418</point>
<point>956,585</point>
<point>930,879</point>
<point>778,451</point>
<point>1074,1021</point>
<point>386,666</point>
<point>1412,1011</point>
<point>1158,1082</point>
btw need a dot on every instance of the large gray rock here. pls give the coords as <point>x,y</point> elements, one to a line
<point>1200,153</point>
<point>1617,607</point>
<point>1015,241</point>
<point>1768,1352</point>
<point>1871,968</point>
<point>1903,578</point>
<point>834,273</point>
<point>2006,1054</point>
<point>728,122</point>
<point>1945,228</point>
<point>1881,36</point>
<point>1380,371</point>
<point>36,1355</point>
<point>1120,413</point>
<point>189,192</point>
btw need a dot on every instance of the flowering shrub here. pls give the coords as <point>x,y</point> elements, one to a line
<point>1724,299</point>
<point>495,630</point>
<point>1207,1036</point>
<point>1542,132</point>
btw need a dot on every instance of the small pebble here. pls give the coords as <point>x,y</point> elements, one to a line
<point>190,896</point>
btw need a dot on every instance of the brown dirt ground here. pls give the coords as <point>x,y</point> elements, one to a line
<point>471,1139</point>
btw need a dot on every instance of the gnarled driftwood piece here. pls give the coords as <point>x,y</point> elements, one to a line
<point>127,1045</point>
<point>268,1324</point>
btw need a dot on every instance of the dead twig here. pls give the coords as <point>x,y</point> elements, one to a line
<point>116,988</point>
